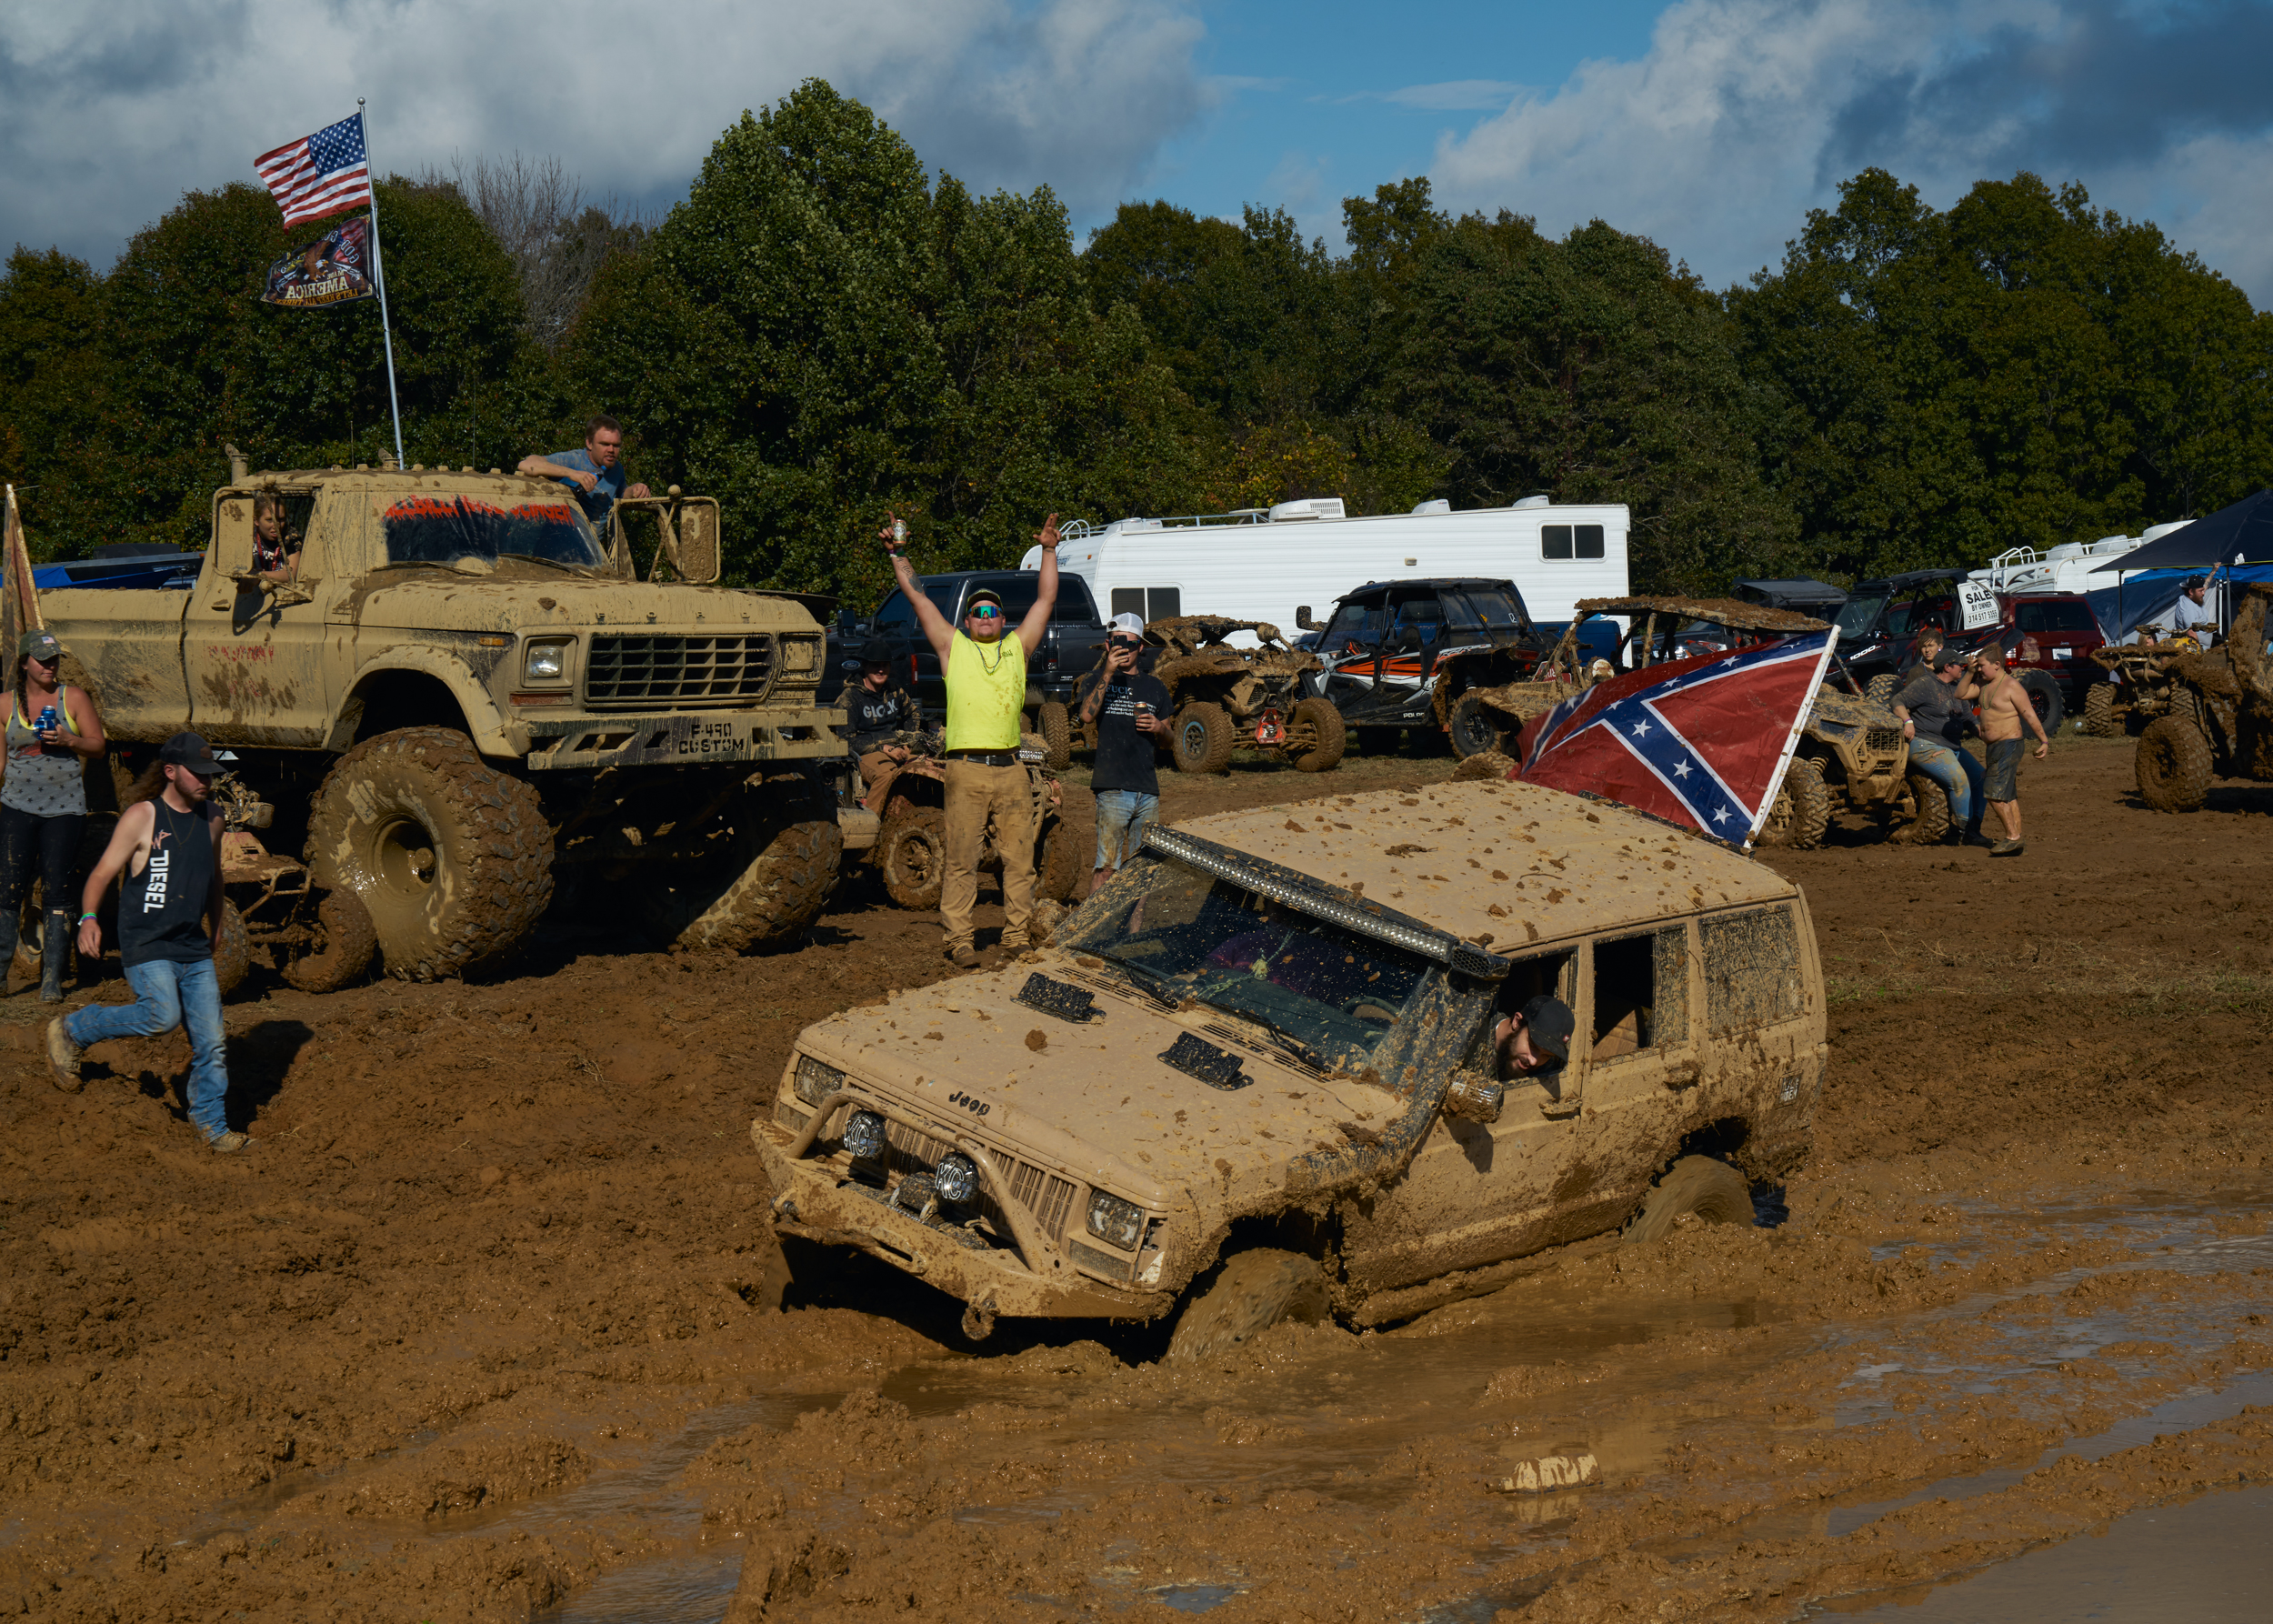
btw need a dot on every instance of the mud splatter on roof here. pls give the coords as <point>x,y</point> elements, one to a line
<point>1506,864</point>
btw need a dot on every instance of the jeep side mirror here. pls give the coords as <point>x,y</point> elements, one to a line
<point>1475,1097</point>
<point>1302,619</point>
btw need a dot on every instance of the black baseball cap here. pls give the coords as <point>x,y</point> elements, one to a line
<point>983,595</point>
<point>1550,1023</point>
<point>875,651</point>
<point>189,750</point>
<point>1949,657</point>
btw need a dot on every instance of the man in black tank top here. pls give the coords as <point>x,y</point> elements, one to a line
<point>168,847</point>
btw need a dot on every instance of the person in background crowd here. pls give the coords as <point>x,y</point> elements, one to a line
<point>1929,644</point>
<point>2006,708</point>
<point>43,800</point>
<point>1129,710</point>
<point>275,547</point>
<point>596,472</point>
<point>168,845</point>
<point>881,710</point>
<point>1936,711</point>
<point>985,680</point>
<point>2192,616</point>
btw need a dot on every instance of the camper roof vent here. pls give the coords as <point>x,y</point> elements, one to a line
<point>1309,507</point>
<point>1439,506</point>
<point>2153,531</point>
<point>1535,499</point>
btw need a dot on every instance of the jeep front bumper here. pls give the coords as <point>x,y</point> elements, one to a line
<point>683,739</point>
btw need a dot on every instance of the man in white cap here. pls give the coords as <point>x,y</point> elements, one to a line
<point>1129,710</point>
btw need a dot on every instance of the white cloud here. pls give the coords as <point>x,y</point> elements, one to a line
<point>108,115</point>
<point>1453,96</point>
<point>1744,114</point>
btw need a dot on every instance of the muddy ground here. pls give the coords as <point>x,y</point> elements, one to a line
<point>471,1334</point>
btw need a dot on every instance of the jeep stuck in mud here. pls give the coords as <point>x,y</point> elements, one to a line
<point>1256,1078</point>
<point>461,693</point>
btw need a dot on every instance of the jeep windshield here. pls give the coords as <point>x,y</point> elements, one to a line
<point>1186,934</point>
<point>443,529</point>
<point>1858,614</point>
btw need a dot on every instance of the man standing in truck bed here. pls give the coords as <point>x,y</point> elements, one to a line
<point>596,472</point>
<point>985,673</point>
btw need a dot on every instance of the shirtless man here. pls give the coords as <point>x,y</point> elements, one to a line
<point>2006,708</point>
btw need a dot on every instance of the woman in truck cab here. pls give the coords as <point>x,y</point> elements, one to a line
<point>52,729</point>
<point>275,546</point>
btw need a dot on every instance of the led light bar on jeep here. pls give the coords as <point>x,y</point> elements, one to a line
<point>1305,895</point>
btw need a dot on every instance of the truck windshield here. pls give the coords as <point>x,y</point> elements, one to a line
<point>442,529</point>
<point>1186,934</point>
<point>1502,609</point>
<point>1857,614</point>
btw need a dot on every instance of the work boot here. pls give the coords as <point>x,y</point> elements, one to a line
<point>2008,849</point>
<point>963,958</point>
<point>63,1058</point>
<point>53,946</point>
<point>230,1143</point>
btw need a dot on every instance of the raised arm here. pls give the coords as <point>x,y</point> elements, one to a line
<point>937,632</point>
<point>1037,619</point>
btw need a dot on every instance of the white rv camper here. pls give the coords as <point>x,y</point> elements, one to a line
<point>1265,566</point>
<point>2067,567</point>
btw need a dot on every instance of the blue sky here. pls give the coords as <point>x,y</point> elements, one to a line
<point>1708,125</point>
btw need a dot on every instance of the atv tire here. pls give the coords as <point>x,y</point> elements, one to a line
<point>2044,694</point>
<point>1697,1187</point>
<point>1328,737</point>
<point>1202,738</point>
<point>451,857</point>
<point>1056,725</point>
<point>2174,764</point>
<point>342,951</point>
<point>911,855</point>
<point>1251,1292</point>
<point>770,882</point>
<point>1475,728</point>
<point>1882,688</point>
<point>2099,718</point>
<point>231,950</point>
<point>1802,812</point>
<point>1929,820</point>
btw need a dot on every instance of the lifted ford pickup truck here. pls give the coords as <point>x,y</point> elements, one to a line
<point>463,691</point>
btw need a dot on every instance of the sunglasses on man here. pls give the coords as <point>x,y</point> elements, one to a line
<point>985,612</point>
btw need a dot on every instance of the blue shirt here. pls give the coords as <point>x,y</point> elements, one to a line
<point>602,495</point>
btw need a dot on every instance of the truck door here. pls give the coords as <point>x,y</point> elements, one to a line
<point>123,646</point>
<point>252,650</point>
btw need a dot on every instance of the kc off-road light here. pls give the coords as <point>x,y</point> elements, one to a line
<point>546,662</point>
<point>864,1135</point>
<point>956,1177</point>
<point>815,1081</point>
<point>1116,1222</point>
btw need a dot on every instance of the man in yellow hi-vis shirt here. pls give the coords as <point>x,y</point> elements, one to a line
<point>985,680</point>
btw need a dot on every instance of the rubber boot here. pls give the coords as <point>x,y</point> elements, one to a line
<point>7,947</point>
<point>53,947</point>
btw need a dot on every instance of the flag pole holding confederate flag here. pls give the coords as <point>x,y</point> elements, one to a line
<point>325,173</point>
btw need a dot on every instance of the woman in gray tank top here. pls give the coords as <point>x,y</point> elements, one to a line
<point>43,800</point>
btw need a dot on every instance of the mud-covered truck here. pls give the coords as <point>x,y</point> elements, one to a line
<point>1256,1076</point>
<point>461,697</point>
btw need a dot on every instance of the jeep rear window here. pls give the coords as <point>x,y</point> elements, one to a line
<point>2055,616</point>
<point>1751,969</point>
<point>1187,935</point>
<point>440,529</point>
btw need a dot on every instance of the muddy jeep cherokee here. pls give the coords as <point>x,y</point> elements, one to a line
<point>463,692</point>
<point>1256,1078</point>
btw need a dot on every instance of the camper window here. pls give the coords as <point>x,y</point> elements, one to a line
<point>1570,541</point>
<point>1148,604</point>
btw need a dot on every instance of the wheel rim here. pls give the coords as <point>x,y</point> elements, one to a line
<point>404,860</point>
<point>1193,739</point>
<point>919,859</point>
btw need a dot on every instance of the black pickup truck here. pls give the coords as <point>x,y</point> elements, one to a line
<point>1070,648</point>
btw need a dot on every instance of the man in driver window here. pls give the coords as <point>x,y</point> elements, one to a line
<point>595,473</point>
<point>1534,1037</point>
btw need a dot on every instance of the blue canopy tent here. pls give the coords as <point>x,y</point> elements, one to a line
<point>2147,578</point>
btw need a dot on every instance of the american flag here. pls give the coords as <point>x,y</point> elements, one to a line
<point>319,175</point>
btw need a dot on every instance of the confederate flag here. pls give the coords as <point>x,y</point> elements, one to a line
<point>1701,742</point>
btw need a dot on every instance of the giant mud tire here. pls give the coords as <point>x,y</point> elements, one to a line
<point>1252,1292</point>
<point>345,943</point>
<point>451,857</point>
<point>1476,729</point>
<point>2099,718</point>
<point>1695,1186</point>
<point>1057,728</point>
<point>1802,812</point>
<point>231,950</point>
<point>2046,695</point>
<point>2174,764</point>
<point>911,855</point>
<point>1201,739</point>
<point>768,884</point>
<point>1882,688</point>
<point>1328,737</point>
<point>1929,819</point>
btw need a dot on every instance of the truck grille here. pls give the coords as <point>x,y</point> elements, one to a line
<point>1883,741</point>
<point>1044,1194</point>
<point>729,669</point>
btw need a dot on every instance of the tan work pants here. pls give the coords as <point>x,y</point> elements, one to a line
<point>976,794</point>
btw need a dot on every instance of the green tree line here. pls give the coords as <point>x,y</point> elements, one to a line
<point>824,332</point>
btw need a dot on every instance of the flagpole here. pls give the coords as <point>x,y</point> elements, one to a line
<point>378,276</point>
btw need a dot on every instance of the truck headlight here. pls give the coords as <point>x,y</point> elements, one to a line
<point>1116,1222</point>
<point>956,1177</point>
<point>815,1081</point>
<point>864,1135</point>
<point>545,663</point>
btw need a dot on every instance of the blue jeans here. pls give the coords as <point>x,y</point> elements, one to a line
<point>1123,816</point>
<point>1959,777</point>
<point>169,995</point>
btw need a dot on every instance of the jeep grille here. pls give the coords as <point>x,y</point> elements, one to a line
<point>1042,1193</point>
<point>1883,741</point>
<point>629,672</point>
